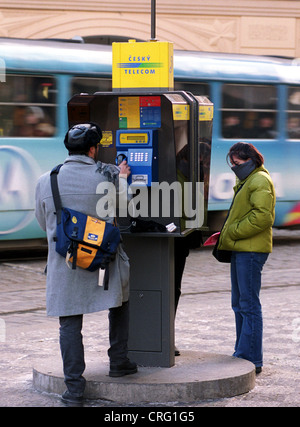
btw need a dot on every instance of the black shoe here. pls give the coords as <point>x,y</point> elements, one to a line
<point>258,369</point>
<point>177,352</point>
<point>71,400</point>
<point>126,368</point>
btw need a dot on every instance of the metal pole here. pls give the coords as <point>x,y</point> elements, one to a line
<point>153,19</point>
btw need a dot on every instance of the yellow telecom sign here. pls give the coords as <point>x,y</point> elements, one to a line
<point>142,65</point>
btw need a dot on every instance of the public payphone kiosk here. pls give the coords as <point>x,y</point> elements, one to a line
<point>166,139</point>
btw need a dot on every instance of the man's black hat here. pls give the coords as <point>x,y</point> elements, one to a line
<point>80,138</point>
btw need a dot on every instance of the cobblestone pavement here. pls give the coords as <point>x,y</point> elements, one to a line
<point>204,322</point>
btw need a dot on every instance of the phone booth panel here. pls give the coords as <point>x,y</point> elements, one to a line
<point>166,139</point>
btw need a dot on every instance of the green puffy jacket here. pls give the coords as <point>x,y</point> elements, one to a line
<point>248,227</point>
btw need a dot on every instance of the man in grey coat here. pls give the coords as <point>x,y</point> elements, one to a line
<point>72,293</point>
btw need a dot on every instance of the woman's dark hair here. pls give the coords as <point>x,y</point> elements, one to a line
<point>245,151</point>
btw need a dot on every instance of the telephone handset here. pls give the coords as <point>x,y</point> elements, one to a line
<point>120,158</point>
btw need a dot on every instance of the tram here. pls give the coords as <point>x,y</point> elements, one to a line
<point>256,99</point>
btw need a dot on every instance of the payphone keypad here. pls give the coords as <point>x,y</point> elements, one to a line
<point>138,156</point>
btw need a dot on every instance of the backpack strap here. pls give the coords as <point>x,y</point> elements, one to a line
<point>55,192</point>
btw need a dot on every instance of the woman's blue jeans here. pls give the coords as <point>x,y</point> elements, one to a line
<point>246,268</point>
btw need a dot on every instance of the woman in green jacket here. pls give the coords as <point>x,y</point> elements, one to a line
<point>247,232</point>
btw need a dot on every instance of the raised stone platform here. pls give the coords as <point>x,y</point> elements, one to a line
<point>195,376</point>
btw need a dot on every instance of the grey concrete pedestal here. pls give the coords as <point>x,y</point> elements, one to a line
<point>195,376</point>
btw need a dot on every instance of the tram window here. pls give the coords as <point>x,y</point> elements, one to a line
<point>194,88</point>
<point>27,106</point>
<point>293,113</point>
<point>249,111</point>
<point>88,85</point>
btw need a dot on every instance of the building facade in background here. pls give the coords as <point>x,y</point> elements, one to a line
<point>238,26</point>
